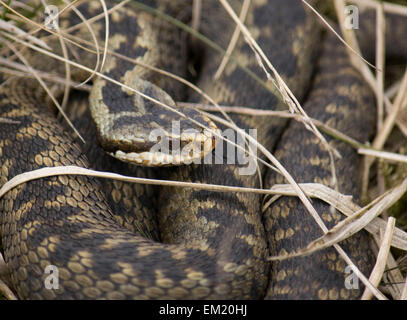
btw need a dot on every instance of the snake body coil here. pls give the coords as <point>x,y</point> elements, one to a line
<point>114,240</point>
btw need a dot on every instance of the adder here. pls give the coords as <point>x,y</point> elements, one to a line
<point>113,240</point>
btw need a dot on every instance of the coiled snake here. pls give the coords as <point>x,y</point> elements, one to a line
<point>123,241</point>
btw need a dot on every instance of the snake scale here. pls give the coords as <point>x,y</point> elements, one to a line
<point>114,240</point>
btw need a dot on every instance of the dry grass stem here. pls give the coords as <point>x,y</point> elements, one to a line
<point>380,60</point>
<point>404,294</point>
<point>196,14</point>
<point>74,170</point>
<point>106,15</point>
<point>282,114</point>
<point>3,267</point>
<point>394,157</point>
<point>380,71</point>
<point>379,295</point>
<point>343,204</point>
<point>4,289</point>
<point>233,41</point>
<point>399,103</point>
<point>392,90</point>
<point>387,6</point>
<point>94,39</point>
<point>67,86</point>
<point>6,292</point>
<point>352,224</point>
<point>350,44</point>
<point>392,277</point>
<point>99,16</point>
<point>22,5</point>
<point>381,261</point>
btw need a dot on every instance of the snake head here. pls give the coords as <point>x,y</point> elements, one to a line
<point>133,128</point>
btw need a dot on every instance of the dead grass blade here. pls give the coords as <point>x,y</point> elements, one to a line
<point>350,45</point>
<point>380,62</point>
<point>392,277</point>
<point>6,292</point>
<point>67,86</point>
<point>196,14</point>
<point>99,16</point>
<point>384,155</point>
<point>381,261</point>
<point>3,266</point>
<point>94,39</point>
<point>46,172</point>
<point>343,204</point>
<point>399,103</point>
<point>392,90</point>
<point>404,294</point>
<point>4,289</point>
<point>106,14</point>
<point>352,224</point>
<point>233,41</point>
<point>282,114</point>
<point>22,5</point>
<point>387,6</point>
<point>74,170</point>
<point>359,274</point>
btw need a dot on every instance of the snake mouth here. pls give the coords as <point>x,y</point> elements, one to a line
<point>163,147</point>
<point>173,150</point>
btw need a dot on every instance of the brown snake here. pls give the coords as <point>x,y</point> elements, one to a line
<point>124,241</point>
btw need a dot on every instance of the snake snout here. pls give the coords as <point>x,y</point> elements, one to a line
<point>167,148</point>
